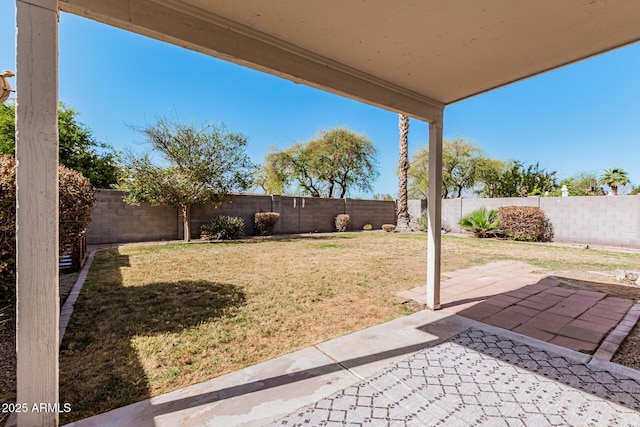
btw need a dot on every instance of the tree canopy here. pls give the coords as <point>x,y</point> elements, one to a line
<point>199,165</point>
<point>337,161</point>
<point>515,179</point>
<point>462,162</point>
<point>579,184</point>
<point>77,147</point>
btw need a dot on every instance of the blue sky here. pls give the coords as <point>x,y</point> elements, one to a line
<point>583,117</point>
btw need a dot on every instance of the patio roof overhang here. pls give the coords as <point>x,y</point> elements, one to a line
<point>411,56</point>
<point>415,58</point>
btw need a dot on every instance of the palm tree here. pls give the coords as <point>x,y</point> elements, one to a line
<point>614,178</point>
<point>403,167</point>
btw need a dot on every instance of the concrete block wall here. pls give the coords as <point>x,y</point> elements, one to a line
<point>416,207</point>
<point>374,212</point>
<point>240,206</point>
<point>602,220</point>
<point>115,221</point>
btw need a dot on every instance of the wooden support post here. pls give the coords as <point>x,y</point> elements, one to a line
<point>434,208</point>
<point>37,210</point>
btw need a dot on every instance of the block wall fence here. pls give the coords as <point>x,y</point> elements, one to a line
<point>114,221</point>
<point>602,220</point>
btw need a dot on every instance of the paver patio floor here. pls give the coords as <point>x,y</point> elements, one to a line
<point>509,295</point>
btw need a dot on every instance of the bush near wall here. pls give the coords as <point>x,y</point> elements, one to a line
<point>265,222</point>
<point>342,222</point>
<point>76,203</point>
<point>482,222</point>
<point>223,227</point>
<point>525,223</point>
<point>7,228</point>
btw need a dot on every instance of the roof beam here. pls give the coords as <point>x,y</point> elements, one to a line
<point>193,28</point>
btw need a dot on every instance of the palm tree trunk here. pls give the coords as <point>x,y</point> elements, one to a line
<point>403,168</point>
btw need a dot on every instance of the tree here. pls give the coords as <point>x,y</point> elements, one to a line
<point>614,178</point>
<point>462,162</point>
<point>516,179</point>
<point>272,176</point>
<point>202,165</point>
<point>337,161</point>
<point>380,196</point>
<point>579,184</point>
<point>77,147</point>
<point>403,169</point>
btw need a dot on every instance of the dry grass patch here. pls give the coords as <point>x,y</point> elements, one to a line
<point>151,319</point>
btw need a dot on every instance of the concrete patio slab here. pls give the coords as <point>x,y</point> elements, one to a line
<point>366,352</point>
<point>249,397</point>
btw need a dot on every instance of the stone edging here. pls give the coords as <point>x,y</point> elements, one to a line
<point>612,342</point>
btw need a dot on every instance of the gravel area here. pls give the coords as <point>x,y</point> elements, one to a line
<point>8,344</point>
<point>7,357</point>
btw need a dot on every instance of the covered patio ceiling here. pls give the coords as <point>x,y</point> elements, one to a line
<point>406,56</point>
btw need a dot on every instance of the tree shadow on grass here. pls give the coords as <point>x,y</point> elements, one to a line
<point>99,367</point>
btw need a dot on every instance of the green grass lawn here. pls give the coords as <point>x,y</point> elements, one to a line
<point>151,319</point>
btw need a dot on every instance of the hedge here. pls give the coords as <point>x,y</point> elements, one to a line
<point>76,203</point>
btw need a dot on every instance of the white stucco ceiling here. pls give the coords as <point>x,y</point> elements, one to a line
<point>446,50</point>
<point>423,50</point>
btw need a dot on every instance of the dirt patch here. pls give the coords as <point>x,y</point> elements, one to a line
<point>604,282</point>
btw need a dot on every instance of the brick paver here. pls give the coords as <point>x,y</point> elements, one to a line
<point>508,295</point>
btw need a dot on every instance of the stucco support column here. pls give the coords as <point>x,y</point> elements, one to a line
<point>434,208</point>
<point>37,209</point>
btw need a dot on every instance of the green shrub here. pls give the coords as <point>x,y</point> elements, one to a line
<point>367,227</point>
<point>388,227</point>
<point>342,222</point>
<point>548,231</point>
<point>265,222</point>
<point>223,227</point>
<point>481,222</point>
<point>524,223</point>
<point>422,223</point>
<point>76,203</point>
